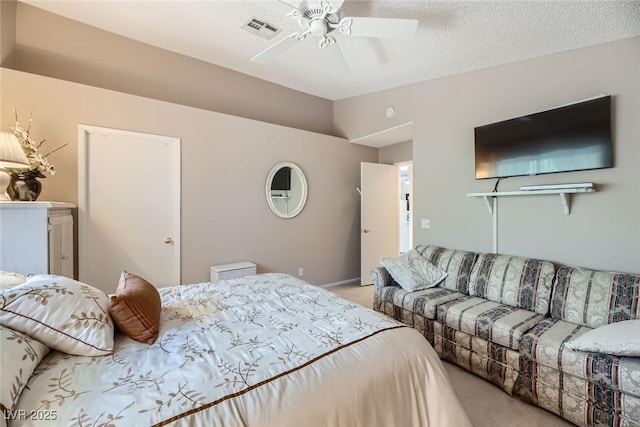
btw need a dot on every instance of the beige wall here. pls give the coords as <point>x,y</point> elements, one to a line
<point>603,230</point>
<point>7,33</point>
<point>225,162</point>
<point>59,47</point>
<point>396,153</point>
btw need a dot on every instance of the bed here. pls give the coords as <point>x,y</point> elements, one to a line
<point>262,350</point>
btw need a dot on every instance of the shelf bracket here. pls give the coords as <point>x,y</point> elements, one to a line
<point>489,203</point>
<point>566,200</point>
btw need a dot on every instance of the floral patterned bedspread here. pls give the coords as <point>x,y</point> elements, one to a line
<point>217,341</point>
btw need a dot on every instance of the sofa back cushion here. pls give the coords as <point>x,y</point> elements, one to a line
<point>516,281</point>
<point>595,298</point>
<point>457,265</point>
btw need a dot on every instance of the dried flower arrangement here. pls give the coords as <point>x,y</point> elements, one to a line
<point>40,164</point>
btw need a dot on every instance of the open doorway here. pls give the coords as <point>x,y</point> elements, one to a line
<point>405,205</point>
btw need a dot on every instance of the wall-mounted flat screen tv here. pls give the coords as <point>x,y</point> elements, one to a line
<point>282,179</point>
<point>569,138</point>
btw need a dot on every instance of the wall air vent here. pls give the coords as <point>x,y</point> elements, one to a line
<point>261,28</point>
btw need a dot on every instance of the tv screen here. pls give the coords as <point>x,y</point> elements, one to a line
<point>568,138</point>
<point>282,179</point>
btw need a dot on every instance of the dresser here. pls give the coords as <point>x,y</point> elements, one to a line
<point>37,237</point>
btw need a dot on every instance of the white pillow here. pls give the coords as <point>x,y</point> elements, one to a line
<point>61,313</point>
<point>10,280</point>
<point>413,272</point>
<point>19,357</point>
<point>618,339</point>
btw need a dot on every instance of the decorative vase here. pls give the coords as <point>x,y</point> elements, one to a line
<point>24,186</point>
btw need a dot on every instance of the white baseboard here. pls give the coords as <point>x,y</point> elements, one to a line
<point>343,282</point>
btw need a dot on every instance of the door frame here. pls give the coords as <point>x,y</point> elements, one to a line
<point>84,131</point>
<point>408,163</point>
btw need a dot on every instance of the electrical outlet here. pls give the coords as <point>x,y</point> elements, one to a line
<point>426,223</point>
<point>301,272</point>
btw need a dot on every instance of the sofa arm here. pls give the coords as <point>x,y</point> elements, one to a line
<point>381,278</point>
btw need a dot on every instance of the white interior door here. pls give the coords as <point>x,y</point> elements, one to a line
<point>128,207</point>
<point>379,231</point>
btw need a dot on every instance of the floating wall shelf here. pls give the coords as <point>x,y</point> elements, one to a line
<point>563,192</point>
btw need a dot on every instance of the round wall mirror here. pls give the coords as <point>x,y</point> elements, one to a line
<point>286,190</point>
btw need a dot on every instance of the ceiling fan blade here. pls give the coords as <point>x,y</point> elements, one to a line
<point>277,48</point>
<point>337,3</point>
<point>297,4</point>
<point>384,28</point>
<point>335,56</point>
<point>292,3</point>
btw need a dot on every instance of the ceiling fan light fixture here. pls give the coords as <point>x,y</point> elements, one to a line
<point>318,28</point>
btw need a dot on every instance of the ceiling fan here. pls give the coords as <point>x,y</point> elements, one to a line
<point>320,18</point>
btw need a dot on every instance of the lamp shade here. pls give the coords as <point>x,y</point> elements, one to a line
<point>11,152</point>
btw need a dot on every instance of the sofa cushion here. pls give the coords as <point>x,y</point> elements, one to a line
<point>545,344</point>
<point>595,298</point>
<point>489,320</point>
<point>458,265</point>
<point>516,281</point>
<point>424,302</point>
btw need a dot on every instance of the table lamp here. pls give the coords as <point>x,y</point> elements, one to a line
<point>11,156</point>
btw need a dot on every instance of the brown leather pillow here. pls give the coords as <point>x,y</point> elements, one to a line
<point>135,308</point>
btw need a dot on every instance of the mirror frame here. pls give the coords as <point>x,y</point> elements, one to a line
<point>303,200</point>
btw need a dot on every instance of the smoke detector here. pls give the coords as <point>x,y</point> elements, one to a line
<point>391,112</point>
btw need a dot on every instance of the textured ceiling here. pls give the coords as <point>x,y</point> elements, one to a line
<point>452,36</point>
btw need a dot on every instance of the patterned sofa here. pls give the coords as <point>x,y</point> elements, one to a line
<point>507,319</point>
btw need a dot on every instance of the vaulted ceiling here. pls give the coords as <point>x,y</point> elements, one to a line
<point>452,36</point>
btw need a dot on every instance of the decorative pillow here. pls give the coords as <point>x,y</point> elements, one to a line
<point>135,308</point>
<point>19,357</point>
<point>618,339</point>
<point>413,272</point>
<point>61,313</point>
<point>10,280</point>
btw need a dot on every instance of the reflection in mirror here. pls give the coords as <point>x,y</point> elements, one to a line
<point>286,190</point>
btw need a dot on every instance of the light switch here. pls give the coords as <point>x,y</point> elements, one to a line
<point>426,223</point>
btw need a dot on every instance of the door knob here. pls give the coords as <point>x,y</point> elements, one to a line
<point>168,240</point>
<point>364,230</point>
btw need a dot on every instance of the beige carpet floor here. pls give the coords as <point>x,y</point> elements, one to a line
<point>485,404</point>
